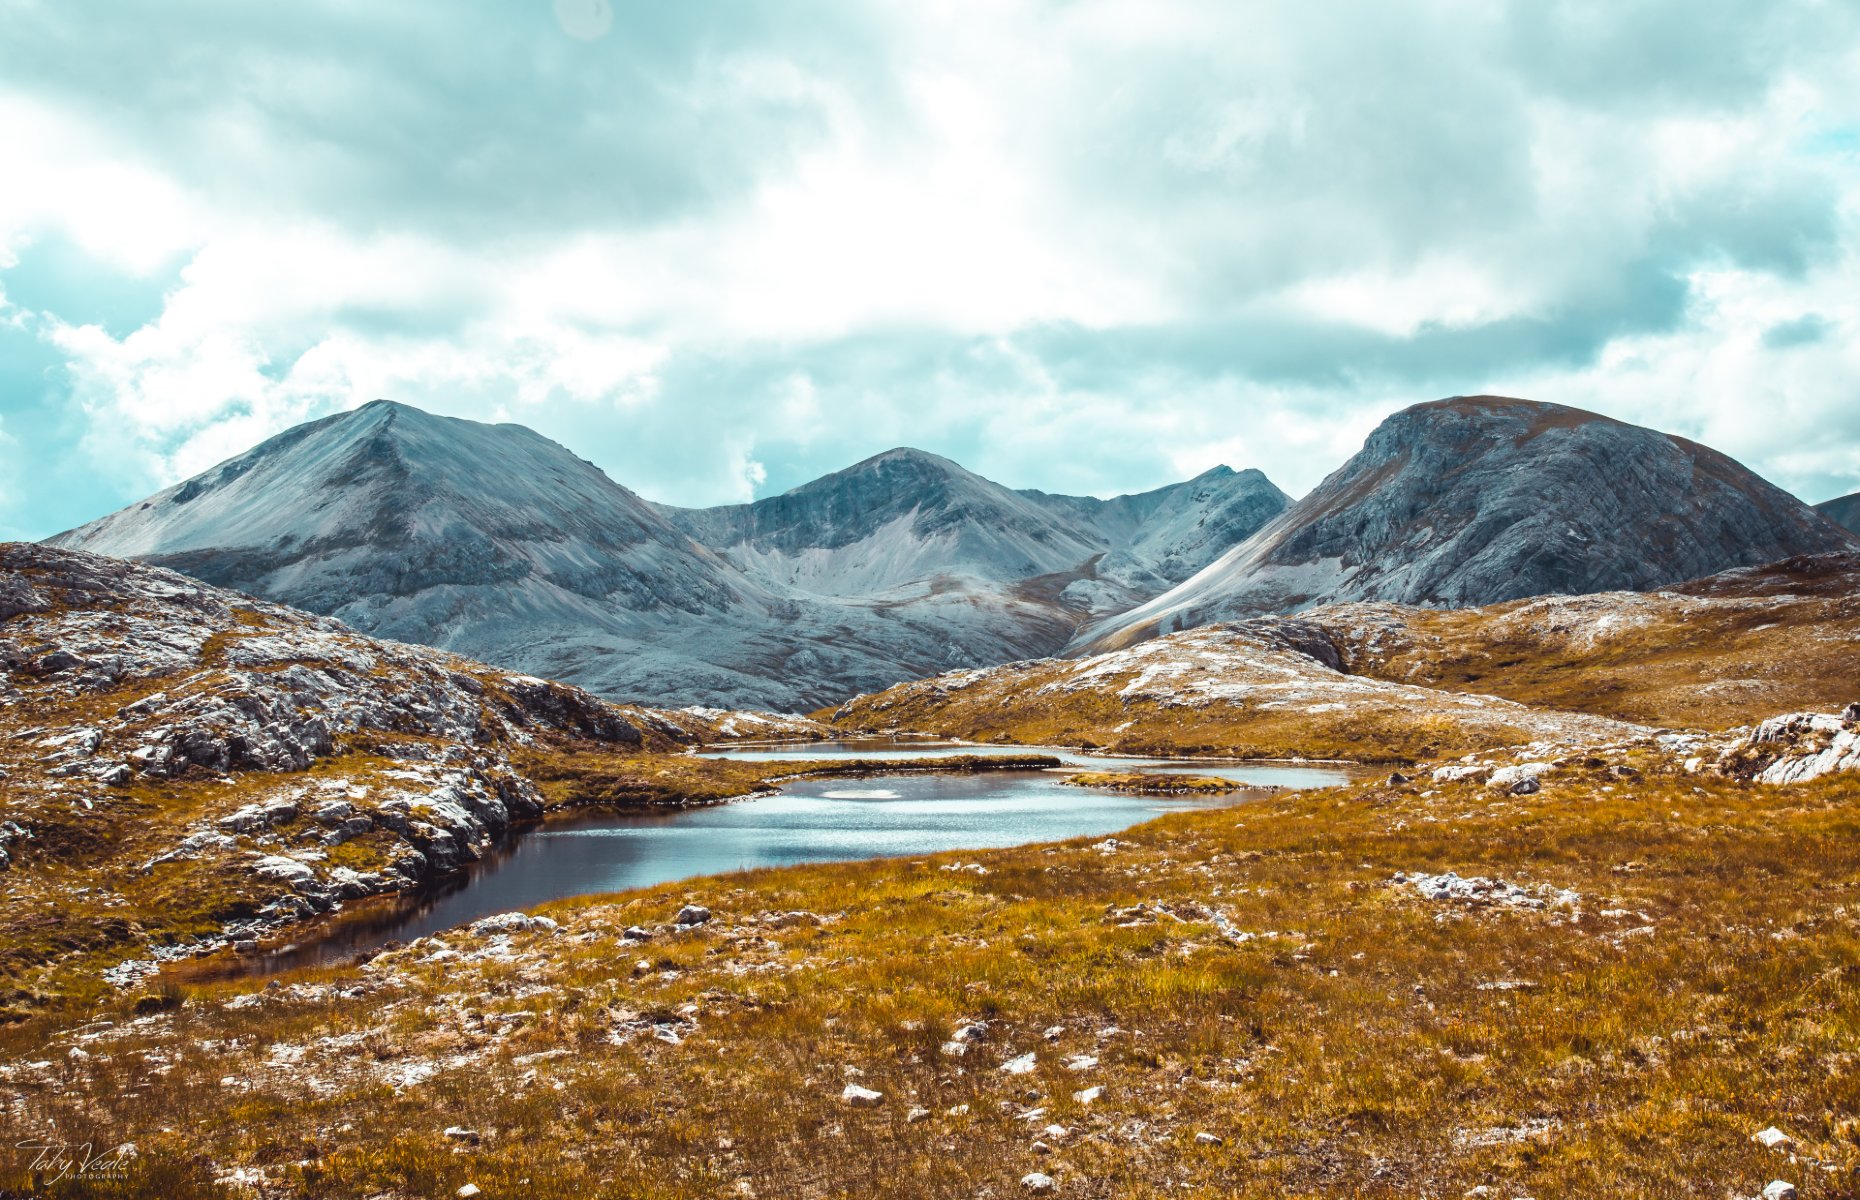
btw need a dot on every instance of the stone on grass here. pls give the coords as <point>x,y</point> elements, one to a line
<point>917,1114</point>
<point>459,1133</point>
<point>1209,1139</point>
<point>860,1097</point>
<point>1779,1189</point>
<point>1772,1139</point>
<point>691,914</point>
<point>1018,1066</point>
<point>1036,1181</point>
<point>468,1191</point>
<point>1088,1095</point>
<point>511,922</point>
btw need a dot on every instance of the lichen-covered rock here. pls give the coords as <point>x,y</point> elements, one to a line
<point>1795,748</point>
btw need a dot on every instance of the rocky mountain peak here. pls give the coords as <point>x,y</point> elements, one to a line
<point>1476,499</point>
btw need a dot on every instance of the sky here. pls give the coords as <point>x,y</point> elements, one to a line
<point>1089,246</point>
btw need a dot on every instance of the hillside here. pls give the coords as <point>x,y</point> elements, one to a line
<point>187,767</point>
<point>1475,500</point>
<point>1844,511</point>
<point>1407,682</point>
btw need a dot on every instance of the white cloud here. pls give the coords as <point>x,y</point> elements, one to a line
<point>1084,244</point>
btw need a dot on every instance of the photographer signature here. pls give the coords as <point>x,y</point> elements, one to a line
<point>66,1160</point>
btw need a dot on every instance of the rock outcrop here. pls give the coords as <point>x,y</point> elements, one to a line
<point>164,721</point>
<point>1796,747</point>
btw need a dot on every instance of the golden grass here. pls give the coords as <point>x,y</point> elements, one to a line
<point>1100,720</point>
<point>1358,1043</point>
<point>1694,663</point>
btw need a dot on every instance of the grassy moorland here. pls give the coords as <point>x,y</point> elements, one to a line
<point>1711,654</point>
<point>1419,684</point>
<point>1242,1002</point>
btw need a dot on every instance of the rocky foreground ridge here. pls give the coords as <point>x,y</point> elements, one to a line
<point>153,723</point>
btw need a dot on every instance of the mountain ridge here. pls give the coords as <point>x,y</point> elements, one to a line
<point>493,541</point>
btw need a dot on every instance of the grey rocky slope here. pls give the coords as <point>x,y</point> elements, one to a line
<point>906,524</point>
<point>1474,500</point>
<point>495,542</point>
<point>1844,511</point>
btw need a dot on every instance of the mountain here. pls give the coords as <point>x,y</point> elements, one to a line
<point>402,522</point>
<point>1160,538</point>
<point>1477,499</point>
<point>1844,512</point>
<point>901,518</point>
<point>492,541</point>
<point>908,526</point>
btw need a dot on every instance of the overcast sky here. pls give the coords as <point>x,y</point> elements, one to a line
<point>722,248</point>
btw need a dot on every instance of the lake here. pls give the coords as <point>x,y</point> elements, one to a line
<point>807,821</point>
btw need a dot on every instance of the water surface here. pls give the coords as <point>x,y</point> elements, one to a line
<point>807,821</point>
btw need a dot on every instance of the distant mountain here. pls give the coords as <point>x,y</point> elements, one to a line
<point>402,521</point>
<point>907,525</point>
<point>1478,499</point>
<point>900,518</point>
<point>492,541</point>
<point>1844,512</point>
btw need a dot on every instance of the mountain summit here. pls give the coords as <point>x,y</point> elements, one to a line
<point>1477,499</point>
<point>402,522</point>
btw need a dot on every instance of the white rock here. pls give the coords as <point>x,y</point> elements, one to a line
<point>459,1133</point>
<point>286,870</point>
<point>512,922</point>
<point>468,1191</point>
<point>692,914</point>
<point>1081,1062</point>
<point>1209,1139</point>
<point>860,1097</point>
<point>1088,1095</point>
<point>1035,1181</point>
<point>917,1114</point>
<point>1772,1139</point>
<point>1018,1066</point>
<point>1506,779</point>
<point>1779,1189</point>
